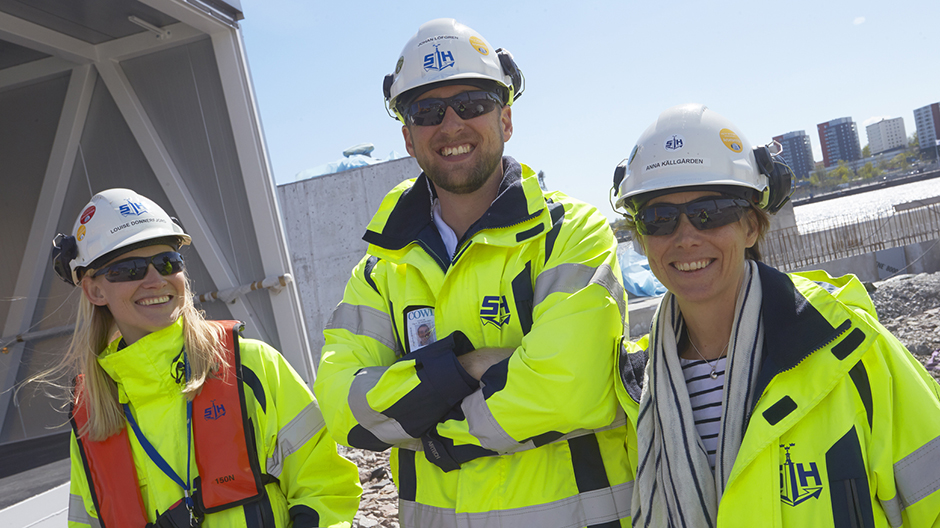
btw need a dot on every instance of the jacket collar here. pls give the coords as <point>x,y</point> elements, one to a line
<point>793,328</point>
<point>405,214</point>
<point>146,369</point>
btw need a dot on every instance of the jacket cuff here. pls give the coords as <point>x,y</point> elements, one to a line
<point>442,370</point>
<point>304,517</point>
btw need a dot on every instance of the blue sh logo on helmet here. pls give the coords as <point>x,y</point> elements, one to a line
<point>438,60</point>
<point>132,208</point>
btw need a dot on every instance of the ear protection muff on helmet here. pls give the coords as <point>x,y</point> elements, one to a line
<point>387,85</point>
<point>779,175</point>
<point>64,250</point>
<point>512,70</point>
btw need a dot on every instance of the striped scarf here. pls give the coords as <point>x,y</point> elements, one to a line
<point>675,486</point>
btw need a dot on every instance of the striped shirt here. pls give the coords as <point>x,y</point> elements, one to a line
<point>706,394</point>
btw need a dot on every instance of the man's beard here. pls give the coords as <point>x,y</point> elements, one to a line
<point>471,180</point>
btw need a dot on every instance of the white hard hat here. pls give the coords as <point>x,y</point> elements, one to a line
<point>115,219</point>
<point>691,146</point>
<point>444,50</point>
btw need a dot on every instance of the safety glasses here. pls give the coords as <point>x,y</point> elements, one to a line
<point>704,213</point>
<point>467,105</point>
<point>135,268</point>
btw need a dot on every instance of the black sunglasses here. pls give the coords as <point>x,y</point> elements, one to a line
<point>467,105</point>
<point>135,268</point>
<point>704,213</point>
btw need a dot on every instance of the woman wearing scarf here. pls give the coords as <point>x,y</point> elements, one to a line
<point>761,398</point>
<point>178,421</point>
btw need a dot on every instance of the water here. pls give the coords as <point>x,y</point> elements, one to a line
<point>865,205</point>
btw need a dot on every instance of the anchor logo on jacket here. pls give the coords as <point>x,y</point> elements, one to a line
<point>794,480</point>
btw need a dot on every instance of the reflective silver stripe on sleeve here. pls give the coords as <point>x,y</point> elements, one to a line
<point>893,511</point>
<point>384,428</point>
<point>585,509</point>
<point>78,513</point>
<point>482,425</point>
<point>571,277</point>
<point>918,474</point>
<point>364,320</point>
<point>296,433</point>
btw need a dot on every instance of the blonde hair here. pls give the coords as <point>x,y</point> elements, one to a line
<point>94,331</point>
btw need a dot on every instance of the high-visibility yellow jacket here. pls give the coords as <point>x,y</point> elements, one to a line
<point>307,482</point>
<point>846,432</point>
<point>539,442</point>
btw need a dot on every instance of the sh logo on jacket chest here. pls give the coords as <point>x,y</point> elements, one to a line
<point>495,311</point>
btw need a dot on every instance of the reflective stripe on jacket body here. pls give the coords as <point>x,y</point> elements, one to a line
<point>846,432</point>
<point>306,482</point>
<point>537,273</point>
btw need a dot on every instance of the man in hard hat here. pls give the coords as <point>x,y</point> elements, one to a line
<point>509,417</point>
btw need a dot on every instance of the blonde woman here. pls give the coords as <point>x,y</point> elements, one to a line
<point>177,421</point>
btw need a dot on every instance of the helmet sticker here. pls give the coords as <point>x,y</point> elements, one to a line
<point>438,60</point>
<point>705,162</point>
<point>730,139</point>
<point>401,62</point>
<point>132,208</point>
<point>80,235</point>
<point>87,214</point>
<point>479,45</point>
<point>674,143</point>
<point>633,154</point>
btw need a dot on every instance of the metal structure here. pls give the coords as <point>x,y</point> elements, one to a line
<point>152,95</point>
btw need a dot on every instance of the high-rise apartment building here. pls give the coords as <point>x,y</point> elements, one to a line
<point>927,120</point>
<point>797,152</point>
<point>886,134</point>
<point>838,140</point>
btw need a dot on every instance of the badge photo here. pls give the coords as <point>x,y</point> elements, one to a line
<point>420,327</point>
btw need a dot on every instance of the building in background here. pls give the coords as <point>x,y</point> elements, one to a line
<point>838,140</point>
<point>926,120</point>
<point>887,134</point>
<point>797,152</point>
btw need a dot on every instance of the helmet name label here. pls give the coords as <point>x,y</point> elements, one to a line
<point>679,161</point>
<point>439,37</point>
<point>136,222</point>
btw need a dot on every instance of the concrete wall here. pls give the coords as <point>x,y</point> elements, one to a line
<point>325,218</point>
<point>923,257</point>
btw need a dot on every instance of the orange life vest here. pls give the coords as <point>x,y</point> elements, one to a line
<point>229,472</point>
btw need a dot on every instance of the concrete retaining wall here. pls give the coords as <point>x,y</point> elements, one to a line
<point>923,257</point>
<point>325,218</point>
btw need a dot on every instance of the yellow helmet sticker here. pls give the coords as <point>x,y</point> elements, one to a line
<point>730,139</point>
<point>479,45</point>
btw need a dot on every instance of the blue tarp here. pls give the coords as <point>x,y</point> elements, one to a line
<point>354,157</point>
<point>638,280</point>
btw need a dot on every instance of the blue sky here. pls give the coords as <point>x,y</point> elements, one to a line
<point>597,72</point>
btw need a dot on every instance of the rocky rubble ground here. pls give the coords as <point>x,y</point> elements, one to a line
<point>908,306</point>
